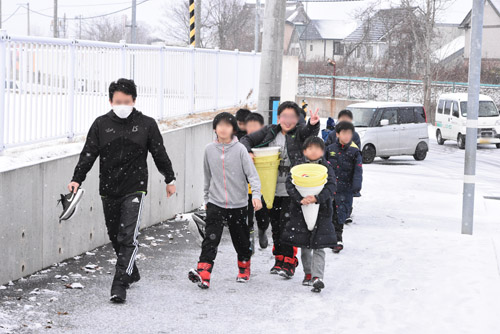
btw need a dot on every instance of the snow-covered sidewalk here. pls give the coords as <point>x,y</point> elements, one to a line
<point>405,269</point>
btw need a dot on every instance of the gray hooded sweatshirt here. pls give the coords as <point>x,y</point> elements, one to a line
<point>228,170</point>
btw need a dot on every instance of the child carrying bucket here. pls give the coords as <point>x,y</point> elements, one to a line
<point>227,167</point>
<point>289,137</point>
<point>312,234</point>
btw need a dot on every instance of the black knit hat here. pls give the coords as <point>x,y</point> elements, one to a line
<point>344,126</point>
<point>225,117</point>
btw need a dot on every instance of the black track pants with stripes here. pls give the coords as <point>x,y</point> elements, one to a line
<point>123,219</point>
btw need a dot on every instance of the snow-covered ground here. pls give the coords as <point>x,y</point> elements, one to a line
<point>405,269</point>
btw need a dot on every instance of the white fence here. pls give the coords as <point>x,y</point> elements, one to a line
<point>54,88</point>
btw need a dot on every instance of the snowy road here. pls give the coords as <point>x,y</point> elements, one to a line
<point>405,269</point>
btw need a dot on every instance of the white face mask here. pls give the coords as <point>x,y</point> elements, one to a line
<point>123,110</point>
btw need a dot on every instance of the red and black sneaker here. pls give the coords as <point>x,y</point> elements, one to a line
<point>201,275</point>
<point>278,265</point>
<point>289,266</point>
<point>244,271</point>
<point>307,281</point>
<point>338,247</point>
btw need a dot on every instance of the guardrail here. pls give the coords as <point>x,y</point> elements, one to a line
<point>54,88</point>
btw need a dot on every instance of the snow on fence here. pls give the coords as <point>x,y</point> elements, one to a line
<point>54,88</point>
<point>382,89</point>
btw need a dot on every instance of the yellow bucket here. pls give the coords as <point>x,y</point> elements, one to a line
<point>309,175</point>
<point>268,158</point>
<point>268,174</point>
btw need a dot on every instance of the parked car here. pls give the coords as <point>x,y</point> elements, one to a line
<point>391,129</point>
<point>451,119</point>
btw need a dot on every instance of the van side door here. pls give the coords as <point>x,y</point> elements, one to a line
<point>455,121</point>
<point>446,121</point>
<point>388,135</point>
<point>408,133</point>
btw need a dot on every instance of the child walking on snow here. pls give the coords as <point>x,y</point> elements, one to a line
<point>296,233</point>
<point>345,158</point>
<point>227,167</point>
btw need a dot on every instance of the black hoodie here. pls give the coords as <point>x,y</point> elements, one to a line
<point>123,146</point>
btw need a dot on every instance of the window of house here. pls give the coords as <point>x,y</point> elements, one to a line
<point>358,52</point>
<point>369,51</point>
<point>337,48</point>
<point>310,47</point>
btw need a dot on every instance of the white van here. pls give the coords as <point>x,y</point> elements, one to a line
<point>391,128</point>
<point>451,118</point>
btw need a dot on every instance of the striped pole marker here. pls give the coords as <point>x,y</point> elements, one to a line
<point>192,36</point>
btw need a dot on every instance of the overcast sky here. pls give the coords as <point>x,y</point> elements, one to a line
<point>153,11</point>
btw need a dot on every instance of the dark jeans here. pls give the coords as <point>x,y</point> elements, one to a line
<point>123,219</point>
<point>238,228</point>
<point>279,216</point>
<point>342,205</point>
<point>262,216</point>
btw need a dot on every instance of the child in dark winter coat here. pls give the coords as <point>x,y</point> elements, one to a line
<point>289,136</point>
<point>227,168</point>
<point>345,158</point>
<point>330,127</point>
<point>344,116</point>
<point>253,123</point>
<point>241,116</point>
<point>296,233</point>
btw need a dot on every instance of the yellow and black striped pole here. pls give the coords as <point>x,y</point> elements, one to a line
<point>192,35</point>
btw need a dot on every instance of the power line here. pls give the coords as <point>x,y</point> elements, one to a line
<point>18,7</point>
<point>89,17</point>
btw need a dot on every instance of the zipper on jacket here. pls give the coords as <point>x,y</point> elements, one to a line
<point>224,173</point>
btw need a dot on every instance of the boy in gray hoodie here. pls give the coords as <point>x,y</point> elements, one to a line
<point>227,168</point>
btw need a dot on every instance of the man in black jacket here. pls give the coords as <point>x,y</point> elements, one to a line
<point>122,139</point>
<point>289,136</point>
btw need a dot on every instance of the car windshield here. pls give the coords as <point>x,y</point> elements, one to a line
<point>486,109</point>
<point>362,116</point>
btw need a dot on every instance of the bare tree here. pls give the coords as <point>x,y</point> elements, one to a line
<point>114,29</point>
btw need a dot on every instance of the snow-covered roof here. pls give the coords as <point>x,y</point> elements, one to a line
<point>381,104</point>
<point>450,49</point>
<point>328,29</point>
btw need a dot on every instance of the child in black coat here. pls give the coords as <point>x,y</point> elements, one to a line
<point>296,233</point>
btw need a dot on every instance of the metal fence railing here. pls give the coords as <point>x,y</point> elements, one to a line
<point>54,88</point>
<point>382,89</point>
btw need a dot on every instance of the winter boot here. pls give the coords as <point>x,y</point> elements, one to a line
<point>307,281</point>
<point>121,282</point>
<point>135,277</point>
<point>244,271</point>
<point>263,241</point>
<point>338,247</point>
<point>278,264</point>
<point>201,275</point>
<point>318,284</point>
<point>289,265</point>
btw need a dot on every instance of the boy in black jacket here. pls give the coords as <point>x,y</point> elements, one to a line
<point>241,116</point>
<point>122,139</point>
<point>344,116</point>
<point>296,233</point>
<point>289,136</point>
<point>345,158</point>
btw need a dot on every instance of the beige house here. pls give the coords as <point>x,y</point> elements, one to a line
<point>491,31</point>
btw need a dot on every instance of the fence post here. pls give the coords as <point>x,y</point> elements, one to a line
<point>407,90</point>
<point>192,85</point>
<point>237,77</point>
<point>453,87</point>
<point>368,88</point>
<point>71,89</point>
<point>3,83</point>
<point>161,88</point>
<point>254,55</point>
<point>217,60</point>
<point>387,89</point>
<point>123,59</point>
<point>314,80</point>
<point>349,88</point>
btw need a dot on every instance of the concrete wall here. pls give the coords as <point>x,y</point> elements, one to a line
<point>328,107</point>
<point>32,237</point>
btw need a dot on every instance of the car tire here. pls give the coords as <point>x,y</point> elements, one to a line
<point>385,158</point>
<point>421,151</point>
<point>368,154</point>
<point>439,137</point>
<point>498,145</point>
<point>461,141</point>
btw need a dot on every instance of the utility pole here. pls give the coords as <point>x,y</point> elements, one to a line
<point>28,16</point>
<point>197,23</point>
<point>272,54</point>
<point>257,26</point>
<point>133,37</point>
<point>472,114</point>
<point>0,14</point>
<point>56,23</point>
